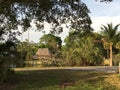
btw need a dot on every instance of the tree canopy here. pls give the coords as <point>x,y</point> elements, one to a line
<point>105,0</point>
<point>55,12</point>
<point>50,41</point>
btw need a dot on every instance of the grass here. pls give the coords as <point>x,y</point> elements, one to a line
<point>60,80</point>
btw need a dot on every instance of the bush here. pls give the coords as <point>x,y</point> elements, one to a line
<point>106,62</point>
<point>5,69</point>
<point>116,60</point>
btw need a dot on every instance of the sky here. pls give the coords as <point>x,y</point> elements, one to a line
<point>103,13</point>
<point>100,13</point>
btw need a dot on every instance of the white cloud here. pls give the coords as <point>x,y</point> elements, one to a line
<point>103,9</point>
<point>98,21</point>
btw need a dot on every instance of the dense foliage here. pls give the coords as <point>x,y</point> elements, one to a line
<point>26,50</point>
<point>7,58</point>
<point>81,49</point>
<point>54,43</point>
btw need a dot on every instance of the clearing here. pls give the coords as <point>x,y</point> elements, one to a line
<point>61,79</point>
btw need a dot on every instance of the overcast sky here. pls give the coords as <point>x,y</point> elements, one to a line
<point>101,13</point>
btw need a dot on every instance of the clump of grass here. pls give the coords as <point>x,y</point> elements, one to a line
<point>113,80</point>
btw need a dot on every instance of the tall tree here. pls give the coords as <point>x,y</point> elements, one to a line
<point>111,36</point>
<point>52,42</point>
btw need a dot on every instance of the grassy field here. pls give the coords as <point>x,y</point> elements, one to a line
<point>61,80</point>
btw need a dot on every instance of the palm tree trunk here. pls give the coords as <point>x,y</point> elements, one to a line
<point>111,56</point>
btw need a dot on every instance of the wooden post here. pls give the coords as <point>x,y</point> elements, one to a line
<point>119,68</point>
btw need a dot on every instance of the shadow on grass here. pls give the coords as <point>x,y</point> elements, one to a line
<point>52,79</point>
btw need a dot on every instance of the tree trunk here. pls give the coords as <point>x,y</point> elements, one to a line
<point>111,56</point>
<point>108,55</point>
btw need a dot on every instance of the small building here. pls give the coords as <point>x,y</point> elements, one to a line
<point>43,53</point>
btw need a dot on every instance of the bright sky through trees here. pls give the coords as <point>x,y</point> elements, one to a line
<point>101,13</point>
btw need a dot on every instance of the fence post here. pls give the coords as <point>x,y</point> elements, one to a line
<point>119,68</point>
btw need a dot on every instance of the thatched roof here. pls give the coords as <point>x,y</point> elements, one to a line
<point>42,53</point>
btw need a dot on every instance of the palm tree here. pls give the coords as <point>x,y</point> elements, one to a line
<point>111,35</point>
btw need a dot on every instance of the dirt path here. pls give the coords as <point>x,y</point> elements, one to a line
<point>108,69</point>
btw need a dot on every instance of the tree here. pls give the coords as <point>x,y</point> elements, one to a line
<point>55,12</point>
<point>7,53</point>
<point>52,42</point>
<point>111,36</point>
<point>25,50</point>
<point>80,49</point>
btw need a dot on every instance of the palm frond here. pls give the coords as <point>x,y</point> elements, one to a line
<point>110,33</point>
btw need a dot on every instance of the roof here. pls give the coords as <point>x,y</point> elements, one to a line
<point>43,52</point>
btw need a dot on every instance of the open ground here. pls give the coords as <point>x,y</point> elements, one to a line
<point>63,78</point>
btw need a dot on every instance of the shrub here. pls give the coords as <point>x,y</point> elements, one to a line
<point>5,69</point>
<point>106,62</point>
<point>116,60</point>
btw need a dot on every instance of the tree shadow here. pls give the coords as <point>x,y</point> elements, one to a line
<point>40,79</point>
